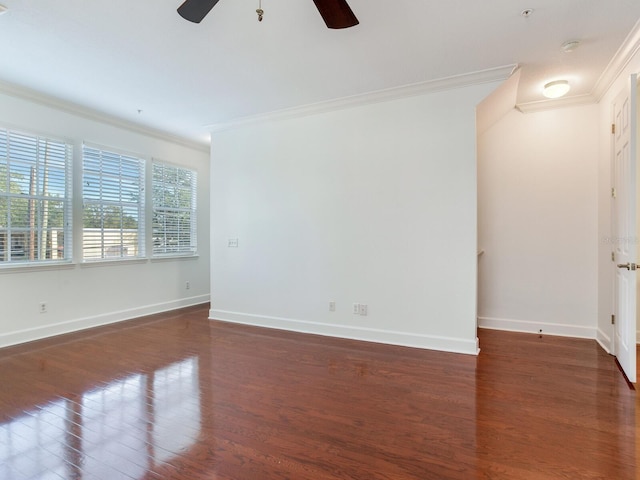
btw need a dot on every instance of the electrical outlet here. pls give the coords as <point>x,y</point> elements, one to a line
<point>332,306</point>
<point>356,309</point>
<point>364,309</point>
<point>187,285</point>
<point>232,242</point>
<point>43,307</point>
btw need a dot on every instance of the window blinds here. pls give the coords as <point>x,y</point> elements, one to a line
<point>113,205</point>
<point>174,210</point>
<point>35,198</point>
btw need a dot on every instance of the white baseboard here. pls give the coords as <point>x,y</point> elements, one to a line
<point>38,333</point>
<point>429,342</point>
<point>529,326</point>
<point>604,340</point>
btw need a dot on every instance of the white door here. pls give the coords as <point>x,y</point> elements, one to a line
<point>624,226</point>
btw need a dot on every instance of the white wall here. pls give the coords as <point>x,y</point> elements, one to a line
<point>537,223</point>
<point>373,204</point>
<point>80,296</point>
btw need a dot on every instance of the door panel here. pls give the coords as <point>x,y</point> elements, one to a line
<point>624,225</point>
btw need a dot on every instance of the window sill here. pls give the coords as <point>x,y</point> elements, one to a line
<point>69,265</point>
<point>112,263</point>
<point>172,258</point>
<point>36,267</point>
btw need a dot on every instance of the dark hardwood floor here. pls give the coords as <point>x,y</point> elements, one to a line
<point>175,396</point>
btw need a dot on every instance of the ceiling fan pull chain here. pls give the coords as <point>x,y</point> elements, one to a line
<point>259,11</point>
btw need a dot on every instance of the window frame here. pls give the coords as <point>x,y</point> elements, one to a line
<point>101,202</point>
<point>166,252</point>
<point>58,176</point>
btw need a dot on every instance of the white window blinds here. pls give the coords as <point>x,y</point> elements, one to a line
<point>113,205</point>
<point>35,199</point>
<point>174,210</point>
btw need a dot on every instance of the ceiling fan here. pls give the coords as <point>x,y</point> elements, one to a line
<point>335,13</point>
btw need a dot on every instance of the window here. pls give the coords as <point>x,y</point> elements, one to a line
<point>174,210</point>
<point>35,199</point>
<point>113,205</point>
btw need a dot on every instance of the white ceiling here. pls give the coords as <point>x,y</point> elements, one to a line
<point>121,56</point>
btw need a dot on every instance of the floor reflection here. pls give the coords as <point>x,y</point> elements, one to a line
<point>123,429</point>
<point>176,410</point>
<point>34,445</point>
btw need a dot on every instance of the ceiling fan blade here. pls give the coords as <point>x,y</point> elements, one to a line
<point>196,10</point>
<point>336,13</point>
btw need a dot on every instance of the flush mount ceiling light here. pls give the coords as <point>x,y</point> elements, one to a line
<point>556,89</point>
<point>570,46</point>
<point>2,9</point>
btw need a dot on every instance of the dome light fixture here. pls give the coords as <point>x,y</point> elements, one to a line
<point>3,9</point>
<point>570,46</point>
<point>556,89</point>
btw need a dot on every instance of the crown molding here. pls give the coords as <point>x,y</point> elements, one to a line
<point>540,105</point>
<point>618,63</point>
<point>90,114</point>
<point>448,83</point>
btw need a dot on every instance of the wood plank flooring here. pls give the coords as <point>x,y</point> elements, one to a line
<point>175,396</point>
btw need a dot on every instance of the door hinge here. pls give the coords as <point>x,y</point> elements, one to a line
<point>613,192</point>
<point>613,319</point>
<point>613,256</point>
<point>613,128</point>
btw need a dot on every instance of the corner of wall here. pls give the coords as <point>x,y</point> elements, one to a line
<point>603,340</point>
